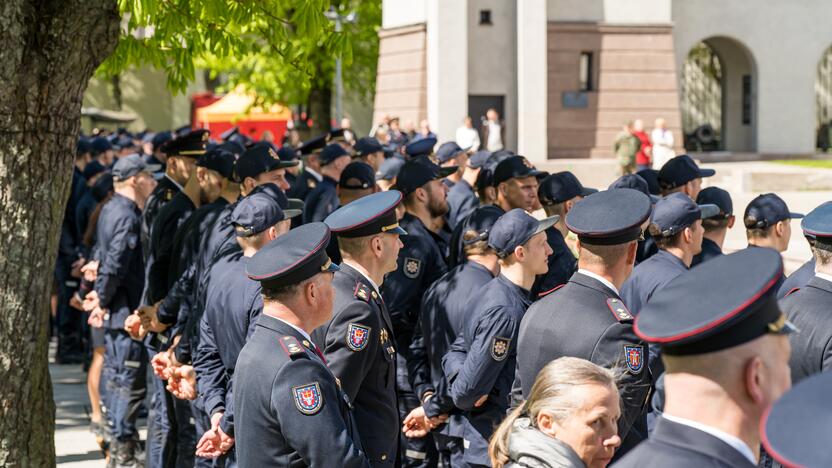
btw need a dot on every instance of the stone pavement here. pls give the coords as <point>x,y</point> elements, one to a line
<point>75,445</point>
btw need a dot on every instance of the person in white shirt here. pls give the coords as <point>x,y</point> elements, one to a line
<point>662,139</point>
<point>467,137</point>
<point>492,131</point>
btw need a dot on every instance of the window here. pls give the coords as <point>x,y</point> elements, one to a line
<point>585,72</point>
<point>485,16</point>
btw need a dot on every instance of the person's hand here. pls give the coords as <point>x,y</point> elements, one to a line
<point>481,401</point>
<point>91,302</point>
<point>161,365</point>
<point>416,424</point>
<point>90,270</point>
<point>182,383</point>
<point>214,442</point>
<point>150,321</point>
<point>133,327</point>
<point>75,302</point>
<point>75,269</point>
<point>96,318</point>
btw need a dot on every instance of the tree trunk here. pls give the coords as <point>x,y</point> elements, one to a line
<point>320,106</point>
<point>50,50</point>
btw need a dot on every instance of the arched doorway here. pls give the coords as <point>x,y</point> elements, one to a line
<point>823,102</point>
<point>718,96</point>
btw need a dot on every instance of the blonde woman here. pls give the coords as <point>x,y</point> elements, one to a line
<point>569,421</point>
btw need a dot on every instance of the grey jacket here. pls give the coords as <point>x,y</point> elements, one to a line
<point>530,448</point>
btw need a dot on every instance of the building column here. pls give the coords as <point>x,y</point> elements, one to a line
<point>447,66</point>
<point>532,80</point>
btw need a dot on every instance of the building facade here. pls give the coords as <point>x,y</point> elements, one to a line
<point>566,74</point>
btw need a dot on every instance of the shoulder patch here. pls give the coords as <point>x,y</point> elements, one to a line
<point>793,290</point>
<point>619,310</point>
<point>358,336</point>
<point>499,348</point>
<point>634,358</point>
<point>411,267</point>
<point>308,398</point>
<point>546,293</point>
<point>362,291</point>
<point>292,346</point>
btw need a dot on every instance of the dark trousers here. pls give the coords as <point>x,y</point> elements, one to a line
<point>415,453</point>
<point>125,367</point>
<point>180,443</point>
<point>202,424</point>
<point>157,424</point>
<point>70,321</point>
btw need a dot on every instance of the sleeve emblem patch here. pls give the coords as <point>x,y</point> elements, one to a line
<point>412,267</point>
<point>357,336</point>
<point>499,348</point>
<point>634,356</point>
<point>308,398</point>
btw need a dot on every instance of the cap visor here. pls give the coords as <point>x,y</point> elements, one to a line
<point>290,213</point>
<point>295,204</point>
<point>546,223</point>
<point>588,191</point>
<point>285,164</point>
<point>706,172</point>
<point>796,215</point>
<point>446,171</point>
<point>708,211</point>
<point>397,230</point>
<point>333,267</point>
<point>152,167</point>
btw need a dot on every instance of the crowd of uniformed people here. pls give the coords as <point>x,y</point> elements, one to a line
<point>349,304</point>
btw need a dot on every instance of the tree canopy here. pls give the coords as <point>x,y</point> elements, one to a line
<point>279,49</point>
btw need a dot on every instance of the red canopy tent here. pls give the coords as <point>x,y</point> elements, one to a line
<point>236,108</point>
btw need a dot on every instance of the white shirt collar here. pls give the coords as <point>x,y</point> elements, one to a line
<point>362,272</point>
<point>733,441</point>
<point>300,330</point>
<point>600,278</point>
<point>314,174</point>
<point>174,182</point>
<point>824,276</point>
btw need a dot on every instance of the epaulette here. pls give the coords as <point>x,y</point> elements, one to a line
<point>619,310</point>
<point>791,291</point>
<point>362,291</point>
<point>168,195</point>
<point>292,346</point>
<point>546,293</point>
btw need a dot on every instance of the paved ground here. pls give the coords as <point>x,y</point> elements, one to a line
<point>74,444</point>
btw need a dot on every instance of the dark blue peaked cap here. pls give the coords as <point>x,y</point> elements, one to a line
<point>818,225</point>
<point>795,430</point>
<point>720,198</point>
<point>367,216</point>
<point>609,217</point>
<point>420,147</point>
<point>293,257</point>
<point>721,303</point>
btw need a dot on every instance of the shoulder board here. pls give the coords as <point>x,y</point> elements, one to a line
<point>362,291</point>
<point>292,346</point>
<point>619,310</point>
<point>169,194</point>
<point>546,293</point>
<point>791,291</point>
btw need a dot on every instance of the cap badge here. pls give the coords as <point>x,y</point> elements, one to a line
<point>412,267</point>
<point>527,163</point>
<point>308,398</point>
<point>634,355</point>
<point>499,348</point>
<point>272,154</point>
<point>357,336</point>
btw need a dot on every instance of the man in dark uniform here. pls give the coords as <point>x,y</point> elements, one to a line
<point>716,226</point>
<point>646,247</point>
<point>726,358</point>
<point>586,317</point>
<point>421,148</point>
<point>323,199</point>
<point>767,221</point>
<point>158,155</point>
<point>681,174</point>
<point>421,263</point>
<point>515,181</point>
<point>449,154</point>
<point>481,363</point>
<point>370,151</point>
<point>445,308</point>
<point>181,158</point>
<point>809,306</point>
<point>310,177</point>
<point>231,310</point>
<point>116,294</point>
<point>462,200</point>
<point>358,343</point>
<point>676,226</point>
<point>289,408</point>
<point>288,154</point>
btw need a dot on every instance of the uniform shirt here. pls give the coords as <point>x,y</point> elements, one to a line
<point>798,278</point>
<point>170,218</point>
<point>648,277</point>
<point>710,249</point>
<point>321,201</point>
<point>163,193</point>
<point>120,272</point>
<point>288,406</point>
<point>360,350</point>
<point>232,307</point>
<point>810,309</point>
<point>305,183</point>
<point>586,319</point>
<point>684,446</point>
<point>456,254</point>
<point>562,264</point>
<point>462,201</point>
<point>482,361</point>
